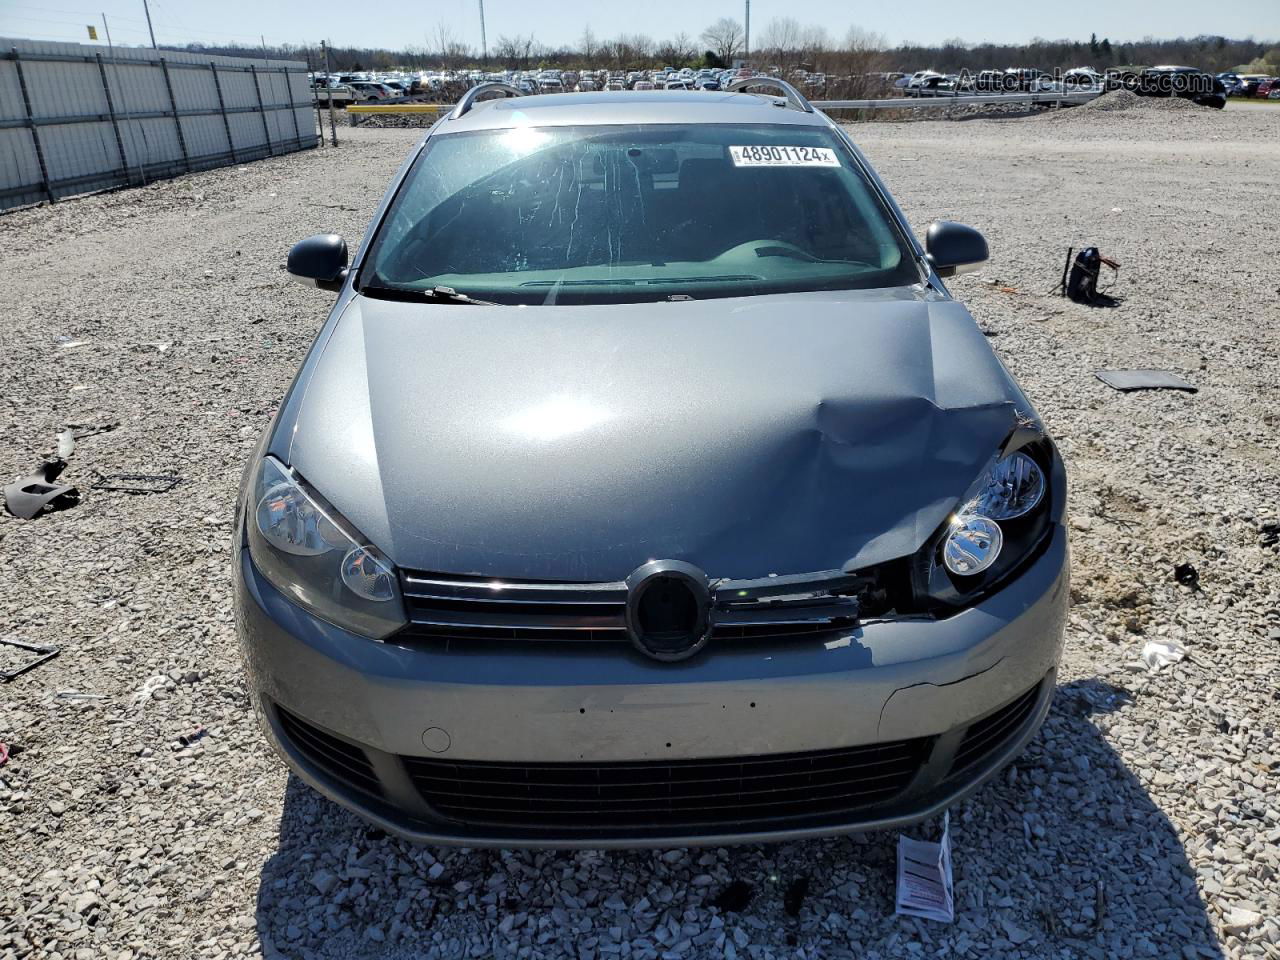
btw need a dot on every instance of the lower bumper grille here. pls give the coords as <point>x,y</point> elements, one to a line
<point>662,795</point>
<point>343,761</point>
<point>988,735</point>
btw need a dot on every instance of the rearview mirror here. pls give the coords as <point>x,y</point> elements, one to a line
<point>320,261</point>
<point>954,248</point>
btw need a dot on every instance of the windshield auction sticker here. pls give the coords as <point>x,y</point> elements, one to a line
<point>759,156</point>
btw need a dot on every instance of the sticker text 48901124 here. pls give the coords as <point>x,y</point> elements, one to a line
<point>765,156</point>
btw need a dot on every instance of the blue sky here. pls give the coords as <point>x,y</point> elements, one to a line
<point>411,23</point>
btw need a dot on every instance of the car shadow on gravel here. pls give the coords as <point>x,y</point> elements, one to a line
<point>1064,854</point>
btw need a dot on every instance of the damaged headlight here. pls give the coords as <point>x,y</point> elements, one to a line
<point>1009,488</point>
<point>999,521</point>
<point>310,553</point>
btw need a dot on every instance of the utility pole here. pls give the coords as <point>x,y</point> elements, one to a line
<point>484,46</point>
<point>333,128</point>
<point>147,10</point>
<point>110,50</point>
<point>746,34</point>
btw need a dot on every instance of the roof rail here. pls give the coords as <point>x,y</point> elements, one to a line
<point>795,99</point>
<point>471,96</point>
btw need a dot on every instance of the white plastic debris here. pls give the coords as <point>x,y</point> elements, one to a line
<point>66,444</point>
<point>148,689</point>
<point>1161,653</point>
<point>924,877</point>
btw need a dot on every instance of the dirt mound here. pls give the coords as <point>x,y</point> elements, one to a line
<point>1119,101</point>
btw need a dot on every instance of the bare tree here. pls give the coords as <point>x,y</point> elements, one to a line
<point>858,40</point>
<point>680,50</point>
<point>724,38</point>
<point>781,35</point>
<point>453,52</point>
<point>588,46</point>
<point>517,51</point>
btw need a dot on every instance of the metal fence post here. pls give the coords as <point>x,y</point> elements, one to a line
<point>293,110</point>
<point>177,122</point>
<point>115,124</point>
<point>222,105</point>
<point>262,111</point>
<point>31,125</point>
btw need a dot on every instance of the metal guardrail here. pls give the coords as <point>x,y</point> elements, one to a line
<point>931,101</point>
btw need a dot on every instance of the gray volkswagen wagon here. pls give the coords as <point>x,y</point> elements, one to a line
<point>646,486</point>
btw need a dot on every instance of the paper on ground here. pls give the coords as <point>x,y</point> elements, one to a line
<point>924,877</point>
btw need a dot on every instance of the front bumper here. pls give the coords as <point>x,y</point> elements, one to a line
<point>360,720</point>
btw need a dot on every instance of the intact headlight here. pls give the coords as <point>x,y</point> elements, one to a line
<point>313,555</point>
<point>997,524</point>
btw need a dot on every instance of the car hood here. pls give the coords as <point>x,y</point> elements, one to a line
<point>749,436</point>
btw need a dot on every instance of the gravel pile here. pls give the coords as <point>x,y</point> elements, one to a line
<point>145,818</point>
<point>1120,100</point>
<point>400,120</point>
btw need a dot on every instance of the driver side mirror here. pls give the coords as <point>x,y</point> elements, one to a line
<point>954,248</point>
<point>320,261</point>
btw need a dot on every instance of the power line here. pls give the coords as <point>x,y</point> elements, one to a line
<point>74,13</point>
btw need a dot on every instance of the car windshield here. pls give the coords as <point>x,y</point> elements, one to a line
<point>539,215</point>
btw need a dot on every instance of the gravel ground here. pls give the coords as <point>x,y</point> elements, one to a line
<point>1142,821</point>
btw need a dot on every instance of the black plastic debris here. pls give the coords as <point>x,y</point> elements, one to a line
<point>30,496</point>
<point>42,654</point>
<point>734,898</point>
<point>1080,276</point>
<point>135,483</point>
<point>1269,535</point>
<point>82,430</point>
<point>1126,380</point>
<point>186,739</point>
<point>1187,575</point>
<point>793,899</point>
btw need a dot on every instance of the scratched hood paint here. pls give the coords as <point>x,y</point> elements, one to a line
<point>748,436</point>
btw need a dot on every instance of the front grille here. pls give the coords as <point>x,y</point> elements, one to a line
<point>343,761</point>
<point>988,735</point>
<point>460,608</point>
<point>449,608</point>
<point>654,795</point>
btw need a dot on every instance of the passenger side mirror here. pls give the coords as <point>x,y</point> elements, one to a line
<point>320,261</point>
<point>954,248</point>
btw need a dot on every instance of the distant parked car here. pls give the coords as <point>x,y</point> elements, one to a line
<point>1249,83</point>
<point>677,85</point>
<point>989,81</point>
<point>1185,82</point>
<point>643,85</point>
<point>587,86</point>
<point>1232,83</point>
<point>1082,77</point>
<point>339,93</point>
<point>918,79</point>
<point>1269,89</point>
<point>1023,79</point>
<point>369,91</point>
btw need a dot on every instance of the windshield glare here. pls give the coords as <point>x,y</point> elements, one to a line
<point>535,215</point>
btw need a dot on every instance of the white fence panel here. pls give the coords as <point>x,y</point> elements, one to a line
<point>76,117</point>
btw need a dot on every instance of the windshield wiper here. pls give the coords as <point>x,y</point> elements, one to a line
<point>446,294</point>
<point>453,296</point>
